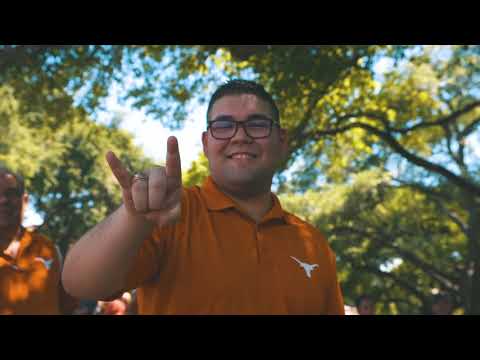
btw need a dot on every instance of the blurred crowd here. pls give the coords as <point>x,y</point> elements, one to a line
<point>440,304</point>
<point>126,304</point>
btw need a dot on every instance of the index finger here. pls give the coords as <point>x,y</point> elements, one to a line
<point>173,164</point>
<point>119,170</point>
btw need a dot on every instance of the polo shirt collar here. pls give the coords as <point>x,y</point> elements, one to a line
<point>214,198</point>
<point>217,200</point>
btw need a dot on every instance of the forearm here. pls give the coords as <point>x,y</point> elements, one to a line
<point>97,265</point>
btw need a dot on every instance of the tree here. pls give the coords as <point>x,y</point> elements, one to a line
<point>66,174</point>
<point>163,79</point>
<point>390,243</point>
<point>57,80</point>
<point>419,119</point>
<point>417,124</point>
<point>197,173</point>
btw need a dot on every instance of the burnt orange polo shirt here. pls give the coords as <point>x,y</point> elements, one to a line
<point>30,282</point>
<point>217,260</point>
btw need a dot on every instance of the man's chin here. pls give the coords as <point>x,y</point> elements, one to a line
<point>248,185</point>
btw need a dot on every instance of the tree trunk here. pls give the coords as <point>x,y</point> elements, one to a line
<point>473,267</point>
<point>475,295</point>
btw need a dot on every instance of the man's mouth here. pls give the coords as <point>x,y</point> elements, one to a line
<point>242,155</point>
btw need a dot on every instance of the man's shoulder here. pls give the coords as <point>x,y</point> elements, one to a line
<point>305,226</point>
<point>310,234</point>
<point>193,190</point>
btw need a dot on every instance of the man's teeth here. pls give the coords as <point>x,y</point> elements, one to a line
<point>242,156</point>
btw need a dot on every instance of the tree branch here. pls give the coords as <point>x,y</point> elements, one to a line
<point>423,189</point>
<point>440,122</point>
<point>469,129</point>
<point>387,241</point>
<point>458,159</point>
<point>446,280</point>
<point>298,132</point>
<point>400,282</point>
<point>445,121</point>
<point>452,216</point>
<point>395,145</point>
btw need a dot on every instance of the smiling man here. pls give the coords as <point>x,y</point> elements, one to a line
<point>30,264</point>
<point>226,247</point>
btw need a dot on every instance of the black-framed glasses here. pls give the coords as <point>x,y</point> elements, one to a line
<point>255,127</point>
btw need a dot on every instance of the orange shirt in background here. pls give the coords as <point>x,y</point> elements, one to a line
<point>30,281</point>
<point>217,260</point>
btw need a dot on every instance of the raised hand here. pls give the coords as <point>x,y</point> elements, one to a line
<point>156,193</point>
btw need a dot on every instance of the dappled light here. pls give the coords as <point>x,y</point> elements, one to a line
<point>384,151</point>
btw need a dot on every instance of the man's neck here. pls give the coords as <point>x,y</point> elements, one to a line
<point>255,206</point>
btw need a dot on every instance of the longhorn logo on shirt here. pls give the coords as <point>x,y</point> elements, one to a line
<point>307,267</point>
<point>47,263</point>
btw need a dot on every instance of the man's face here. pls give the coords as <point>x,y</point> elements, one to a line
<point>243,165</point>
<point>12,202</point>
<point>442,307</point>
<point>366,308</point>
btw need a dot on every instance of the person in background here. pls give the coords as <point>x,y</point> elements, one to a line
<point>365,305</point>
<point>119,306</point>
<point>30,263</point>
<point>442,304</point>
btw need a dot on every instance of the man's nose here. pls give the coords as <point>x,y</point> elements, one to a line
<point>241,135</point>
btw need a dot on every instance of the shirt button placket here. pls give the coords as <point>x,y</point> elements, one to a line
<point>258,239</point>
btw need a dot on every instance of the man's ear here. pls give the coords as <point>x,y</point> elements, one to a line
<point>205,143</point>
<point>25,200</point>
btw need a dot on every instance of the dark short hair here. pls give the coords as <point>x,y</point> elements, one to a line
<point>239,87</point>
<point>17,176</point>
<point>441,297</point>
<point>361,299</point>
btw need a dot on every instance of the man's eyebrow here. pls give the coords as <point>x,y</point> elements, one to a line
<point>251,116</point>
<point>223,117</point>
<point>259,116</point>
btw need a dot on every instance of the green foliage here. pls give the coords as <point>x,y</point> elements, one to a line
<point>416,124</point>
<point>197,173</point>
<point>16,139</point>
<point>384,166</point>
<point>66,174</point>
<point>390,243</point>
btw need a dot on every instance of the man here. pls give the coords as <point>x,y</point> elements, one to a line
<point>30,264</point>
<point>224,248</point>
<point>442,304</point>
<point>119,306</point>
<point>365,305</point>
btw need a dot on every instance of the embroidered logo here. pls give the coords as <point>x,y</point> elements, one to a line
<point>47,263</point>
<point>307,267</point>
